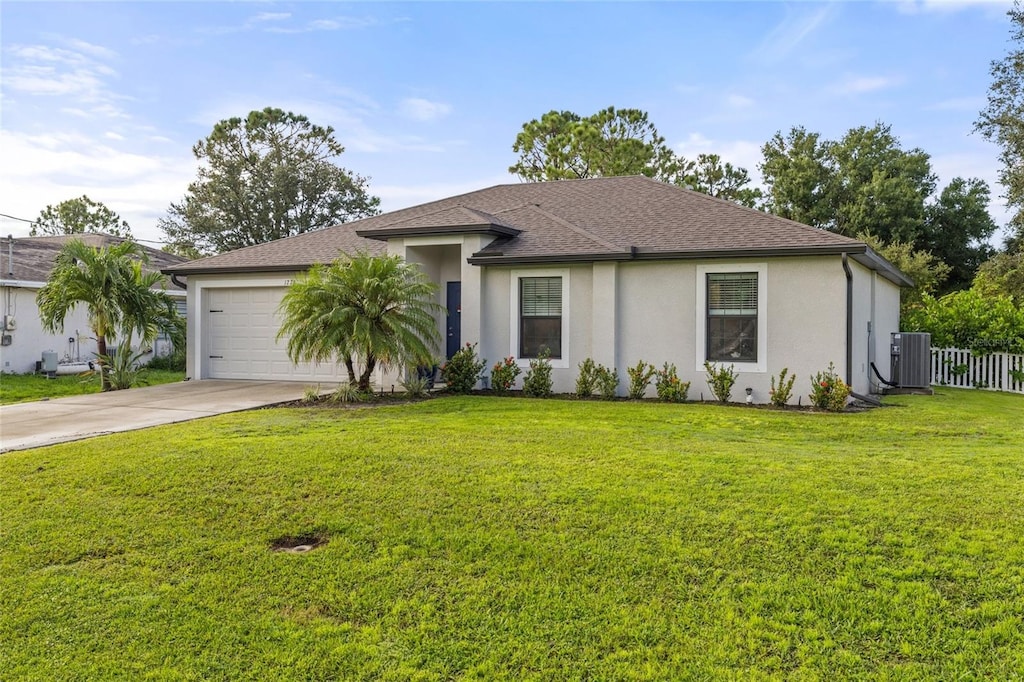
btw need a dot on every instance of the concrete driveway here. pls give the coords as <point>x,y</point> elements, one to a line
<point>46,422</point>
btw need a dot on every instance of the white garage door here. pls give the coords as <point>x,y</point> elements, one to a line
<point>241,330</point>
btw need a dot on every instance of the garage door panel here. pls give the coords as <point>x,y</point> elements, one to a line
<point>244,334</point>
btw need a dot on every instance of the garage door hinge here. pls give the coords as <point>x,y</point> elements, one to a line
<point>217,357</point>
<point>216,311</point>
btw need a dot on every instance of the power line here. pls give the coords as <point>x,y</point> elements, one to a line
<point>32,222</point>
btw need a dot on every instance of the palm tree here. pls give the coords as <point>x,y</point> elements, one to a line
<point>119,297</point>
<point>371,310</point>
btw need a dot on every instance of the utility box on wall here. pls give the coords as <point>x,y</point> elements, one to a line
<point>911,359</point>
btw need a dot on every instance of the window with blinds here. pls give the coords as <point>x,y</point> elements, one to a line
<point>732,317</point>
<point>540,316</point>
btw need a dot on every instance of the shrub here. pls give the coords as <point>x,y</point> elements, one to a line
<point>123,369</point>
<point>780,395</point>
<point>669,387</point>
<point>639,379</point>
<point>721,380</point>
<point>607,381</point>
<point>503,375</point>
<point>829,391</point>
<point>970,319</point>
<point>311,394</point>
<point>173,361</point>
<point>586,382</point>
<point>537,382</point>
<point>416,385</point>
<point>347,393</point>
<point>463,371</point>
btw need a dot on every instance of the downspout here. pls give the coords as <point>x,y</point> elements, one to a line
<point>178,283</point>
<point>849,319</point>
<point>849,334</point>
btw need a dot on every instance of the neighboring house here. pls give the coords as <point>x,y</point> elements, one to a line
<point>25,264</point>
<point>615,269</point>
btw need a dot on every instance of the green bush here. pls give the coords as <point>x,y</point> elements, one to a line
<point>586,382</point>
<point>970,319</point>
<point>174,361</point>
<point>311,394</point>
<point>537,382</point>
<point>721,380</point>
<point>669,387</point>
<point>416,385</point>
<point>464,369</point>
<point>639,379</point>
<point>829,391</point>
<point>123,370</point>
<point>348,393</point>
<point>780,395</point>
<point>503,375</point>
<point>607,381</point>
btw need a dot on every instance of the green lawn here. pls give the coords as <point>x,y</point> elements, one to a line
<point>487,538</point>
<point>19,388</point>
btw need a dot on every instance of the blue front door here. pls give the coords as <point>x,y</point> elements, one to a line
<point>454,325</point>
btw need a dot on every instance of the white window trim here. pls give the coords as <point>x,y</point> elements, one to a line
<point>559,363</point>
<point>761,366</point>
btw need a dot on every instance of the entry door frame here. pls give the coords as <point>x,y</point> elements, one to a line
<point>453,320</point>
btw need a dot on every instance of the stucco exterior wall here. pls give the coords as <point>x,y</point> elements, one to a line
<point>887,321</point>
<point>29,340</point>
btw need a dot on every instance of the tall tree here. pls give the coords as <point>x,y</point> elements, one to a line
<point>708,174</point>
<point>1003,275</point>
<point>365,310</point>
<point>927,271</point>
<point>799,175</point>
<point>264,177</point>
<point>78,216</point>
<point>563,145</point>
<point>1002,122</point>
<point>119,297</point>
<point>864,182</point>
<point>957,228</point>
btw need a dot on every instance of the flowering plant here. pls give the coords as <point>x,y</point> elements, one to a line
<point>503,375</point>
<point>537,382</point>
<point>669,387</point>
<point>828,390</point>
<point>463,370</point>
<point>639,379</point>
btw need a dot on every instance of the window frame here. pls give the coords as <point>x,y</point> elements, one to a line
<point>515,319</point>
<point>702,310</point>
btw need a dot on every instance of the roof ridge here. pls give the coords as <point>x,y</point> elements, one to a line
<point>576,228</point>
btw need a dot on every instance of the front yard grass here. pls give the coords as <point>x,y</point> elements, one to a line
<point>477,538</point>
<point>20,388</point>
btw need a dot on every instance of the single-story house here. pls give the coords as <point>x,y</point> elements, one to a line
<point>25,265</point>
<point>615,269</point>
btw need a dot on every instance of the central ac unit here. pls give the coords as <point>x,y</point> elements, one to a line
<point>911,359</point>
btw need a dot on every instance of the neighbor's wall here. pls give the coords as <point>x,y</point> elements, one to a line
<point>28,340</point>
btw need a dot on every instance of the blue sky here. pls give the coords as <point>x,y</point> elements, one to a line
<point>107,99</point>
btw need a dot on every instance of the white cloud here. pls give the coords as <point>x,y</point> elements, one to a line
<point>46,169</point>
<point>992,7</point>
<point>111,135</point>
<point>394,197</point>
<point>859,85</point>
<point>48,71</point>
<point>793,30</point>
<point>420,109</point>
<point>271,16</point>
<point>736,101</point>
<point>742,153</point>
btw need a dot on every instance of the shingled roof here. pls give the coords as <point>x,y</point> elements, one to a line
<point>615,218</point>
<point>31,259</point>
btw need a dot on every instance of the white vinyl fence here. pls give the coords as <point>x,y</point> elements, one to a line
<point>963,369</point>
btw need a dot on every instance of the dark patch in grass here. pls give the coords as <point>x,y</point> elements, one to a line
<point>299,544</point>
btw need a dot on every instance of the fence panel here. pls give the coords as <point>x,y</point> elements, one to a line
<point>991,372</point>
